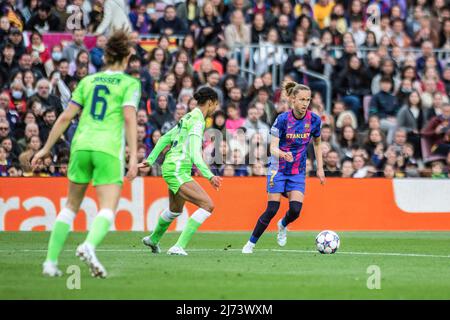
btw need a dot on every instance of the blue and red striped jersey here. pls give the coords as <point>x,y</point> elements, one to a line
<point>294,135</point>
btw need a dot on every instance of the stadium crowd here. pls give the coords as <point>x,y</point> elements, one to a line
<point>390,114</point>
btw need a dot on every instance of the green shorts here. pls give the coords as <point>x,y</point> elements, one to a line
<point>99,167</point>
<point>176,180</point>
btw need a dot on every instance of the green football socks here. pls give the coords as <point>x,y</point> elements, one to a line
<point>100,227</point>
<point>194,222</point>
<point>59,234</point>
<point>164,222</point>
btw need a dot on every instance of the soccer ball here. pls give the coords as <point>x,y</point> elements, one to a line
<point>327,242</point>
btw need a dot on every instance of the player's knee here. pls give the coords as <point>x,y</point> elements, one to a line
<point>271,211</point>
<point>175,208</point>
<point>208,206</point>
<point>295,207</point>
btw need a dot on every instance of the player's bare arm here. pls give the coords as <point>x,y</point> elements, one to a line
<point>277,152</point>
<point>319,159</point>
<point>131,136</point>
<point>58,129</point>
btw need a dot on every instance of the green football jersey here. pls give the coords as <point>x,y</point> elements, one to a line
<point>179,155</point>
<point>102,97</point>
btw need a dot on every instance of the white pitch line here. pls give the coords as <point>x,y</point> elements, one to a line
<point>391,254</point>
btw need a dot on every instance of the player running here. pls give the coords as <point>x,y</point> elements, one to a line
<point>108,100</point>
<point>291,134</point>
<point>186,149</point>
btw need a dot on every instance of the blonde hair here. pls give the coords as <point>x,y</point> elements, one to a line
<point>291,88</point>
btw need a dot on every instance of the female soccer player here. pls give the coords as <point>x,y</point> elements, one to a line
<point>186,149</point>
<point>109,100</point>
<point>291,134</point>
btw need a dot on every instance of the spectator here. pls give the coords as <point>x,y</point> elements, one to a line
<point>169,24</point>
<point>399,37</point>
<point>347,169</point>
<point>55,58</point>
<point>411,118</point>
<point>4,163</point>
<point>346,118</point>
<point>212,81</point>
<point>263,98</point>
<point>437,170</point>
<point>81,59</point>
<point>28,9</point>
<point>426,33</point>
<point>16,39</point>
<point>4,28</point>
<point>413,21</point>
<point>322,11</point>
<point>209,53</point>
<point>37,48</point>
<point>331,162</point>
<point>161,113</point>
<point>18,96</point>
<point>254,125</point>
<point>387,70</point>
<point>359,164</point>
<point>7,112</point>
<point>347,141</point>
<point>140,20</point>
<point>375,138</point>
<point>59,10</point>
<point>7,63</point>
<point>180,111</point>
<point>234,119</point>
<point>237,34</point>
<point>258,169</point>
<point>238,162</point>
<point>189,11</point>
<point>427,51</point>
<point>388,171</point>
<point>210,24</point>
<point>385,105</point>
<point>98,52</point>
<point>228,171</point>
<point>49,118</point>
<point>258,29</point>
<point>48,100</point>
<point>31,129</point>
<point>43,20</point>
<point>352,84</point>
<point>114,18</point>
<point>438,132</point>
<point>436,109</point>
<point>139,51</point>
<point>71,50</point>
<point>232,70</point>
<point>359,35</point>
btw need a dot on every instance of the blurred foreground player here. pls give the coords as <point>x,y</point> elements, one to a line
<point>109,100</point>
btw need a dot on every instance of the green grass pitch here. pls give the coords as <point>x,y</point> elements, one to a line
<point>413,265</point>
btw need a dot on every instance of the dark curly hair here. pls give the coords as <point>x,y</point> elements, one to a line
<point>204,95</point>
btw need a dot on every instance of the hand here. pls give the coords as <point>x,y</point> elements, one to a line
<point>287,156</point>
<point>143,165</point>
<point>216,182</point>
<point>132,170</point>
<point>299,63</point>
<point>207,31</point>
<point>38,156</point>
<point>321,175</point>
<point>439,129</point>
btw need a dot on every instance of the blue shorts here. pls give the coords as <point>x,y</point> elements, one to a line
<point>278,182</point>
